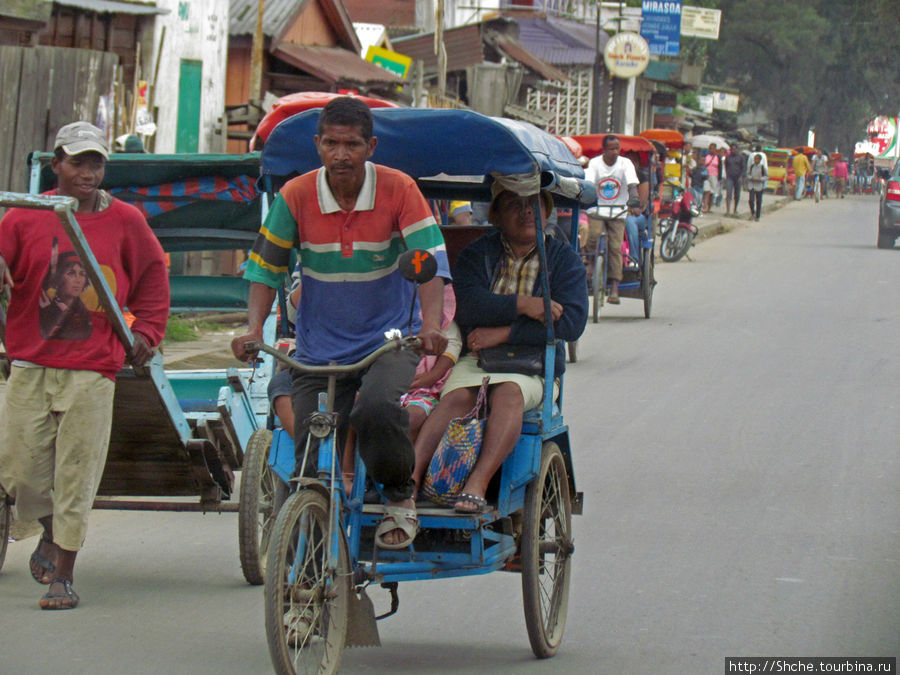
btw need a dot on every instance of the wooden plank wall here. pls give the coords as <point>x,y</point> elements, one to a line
<point>54,86</point>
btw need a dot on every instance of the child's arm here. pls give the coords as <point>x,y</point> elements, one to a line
<point>443,363</point>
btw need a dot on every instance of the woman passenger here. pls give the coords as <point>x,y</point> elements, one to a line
<point>498,298</point>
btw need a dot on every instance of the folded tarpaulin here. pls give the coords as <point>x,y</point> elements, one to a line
<point>153,200</point>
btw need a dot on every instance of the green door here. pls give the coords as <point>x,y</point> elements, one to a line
<point>187,137</point>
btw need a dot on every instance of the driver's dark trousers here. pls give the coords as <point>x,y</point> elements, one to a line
<point>381,424</point>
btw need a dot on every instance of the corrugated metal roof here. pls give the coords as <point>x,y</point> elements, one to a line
<point>561,42</point>
<point>276,14</point>
<point>463,44</point>
<point>516,51</point>
<point>332,64</point>
<point>112,7</point>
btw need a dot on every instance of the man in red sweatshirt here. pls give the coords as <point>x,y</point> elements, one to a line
<point>55,422</point>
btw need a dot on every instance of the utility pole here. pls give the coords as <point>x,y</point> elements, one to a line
<point>256,54</point>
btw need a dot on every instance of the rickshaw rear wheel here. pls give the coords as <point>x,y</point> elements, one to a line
<point>647,281</point>
<point>5,520</point>
<point>258,507</point>
<point>307,590</point>
<point>547,548</point>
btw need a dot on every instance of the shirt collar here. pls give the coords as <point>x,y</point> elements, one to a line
<point>509,251</point>
<point>365,201</point>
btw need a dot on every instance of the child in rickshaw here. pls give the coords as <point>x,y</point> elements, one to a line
<point>497,283</point>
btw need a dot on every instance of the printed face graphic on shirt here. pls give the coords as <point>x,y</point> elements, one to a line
<point>61,311</point>
<point>608,189</point>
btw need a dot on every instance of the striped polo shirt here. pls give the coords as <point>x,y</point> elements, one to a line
<point>352,290</point>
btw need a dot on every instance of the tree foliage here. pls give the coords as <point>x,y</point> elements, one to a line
<point>811,64</point>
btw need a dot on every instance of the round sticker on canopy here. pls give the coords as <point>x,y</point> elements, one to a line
<point>626,55</point>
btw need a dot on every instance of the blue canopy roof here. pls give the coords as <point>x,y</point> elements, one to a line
<point>451,152</point>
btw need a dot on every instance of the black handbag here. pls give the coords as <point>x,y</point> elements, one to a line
<point>522,359</point>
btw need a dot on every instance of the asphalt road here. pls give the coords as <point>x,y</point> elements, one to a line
<point>738,455</point>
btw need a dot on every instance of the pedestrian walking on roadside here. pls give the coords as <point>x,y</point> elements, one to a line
<point>735,166</point>
<point>757,177</point>
<point>801,170</point>
<point>57,412</point>
<point>712,163</point>
<point>841,173</point>
<point>698,178</point>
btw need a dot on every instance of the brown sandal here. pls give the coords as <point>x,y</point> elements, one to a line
<point>68,599</point>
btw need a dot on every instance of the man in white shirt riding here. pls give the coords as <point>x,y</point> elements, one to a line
<point>616,181</point>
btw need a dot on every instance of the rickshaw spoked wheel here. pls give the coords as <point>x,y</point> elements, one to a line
<point>261,494</point>
<point>647,280</point>
<point>307,591</point>
<point>547,548</point>
<point>5,520</point>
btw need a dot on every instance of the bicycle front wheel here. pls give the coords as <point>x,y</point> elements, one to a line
<point>307,591</point>
<point>818,191</point>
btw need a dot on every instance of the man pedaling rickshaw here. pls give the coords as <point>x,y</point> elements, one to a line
<point>617,182</point>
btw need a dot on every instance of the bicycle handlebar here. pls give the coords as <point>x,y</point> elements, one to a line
<point>392,344</point>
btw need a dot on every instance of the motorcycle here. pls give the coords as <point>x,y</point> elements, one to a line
<point>676,229</point>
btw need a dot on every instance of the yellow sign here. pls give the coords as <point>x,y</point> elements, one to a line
<point>395,63</point>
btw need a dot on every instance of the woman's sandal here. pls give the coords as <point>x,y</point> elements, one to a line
<point>397,518</point>
<point>68,599</point>
<point>465,497</point>
<point>39,560</point>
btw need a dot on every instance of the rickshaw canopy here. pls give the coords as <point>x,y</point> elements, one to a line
<point>304,100</point>
<point>191,201</point>
<point>573,145</point>
<point>807,150</point>
<point>592,145</point>
<point>452,154</point>
<point>672,139</point>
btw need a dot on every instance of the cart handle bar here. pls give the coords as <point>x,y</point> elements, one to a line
<point>392,344</point>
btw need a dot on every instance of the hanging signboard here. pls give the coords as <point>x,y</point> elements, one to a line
<point>390,61</point>
<point>723,101</point>
<point>701,22</point>
<point>661,26</point>
<point>626,55</point>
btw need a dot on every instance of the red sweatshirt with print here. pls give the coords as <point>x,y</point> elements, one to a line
<point>54,317</point>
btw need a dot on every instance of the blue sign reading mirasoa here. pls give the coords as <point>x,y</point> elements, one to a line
<point>661,26</point>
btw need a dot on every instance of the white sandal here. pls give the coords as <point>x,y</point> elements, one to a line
<point>397,518</point>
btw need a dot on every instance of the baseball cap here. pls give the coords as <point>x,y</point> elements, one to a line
<point>79,137</point>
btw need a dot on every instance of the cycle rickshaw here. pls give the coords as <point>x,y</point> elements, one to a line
<point>813,187</point>
<point>638,280</point>
<point>318,546</point>
<point>175,433</point>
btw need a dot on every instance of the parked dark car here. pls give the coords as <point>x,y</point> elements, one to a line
<point>889,210</point>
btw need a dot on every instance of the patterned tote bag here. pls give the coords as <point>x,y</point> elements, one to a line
<point>456,453</point>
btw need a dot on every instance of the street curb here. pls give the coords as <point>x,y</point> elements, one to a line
<point>723,224</point>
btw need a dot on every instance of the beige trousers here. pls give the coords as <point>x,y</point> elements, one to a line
<point>615,234</point>
<point>54,434</point>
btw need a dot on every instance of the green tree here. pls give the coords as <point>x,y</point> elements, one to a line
<point>810,64</point>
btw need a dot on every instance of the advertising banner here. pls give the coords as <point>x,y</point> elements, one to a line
<point>882,142</point>
<point>661,26</point>
<point>701,22</point>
